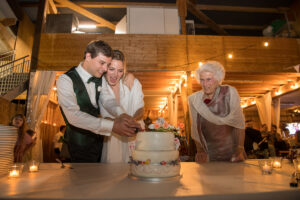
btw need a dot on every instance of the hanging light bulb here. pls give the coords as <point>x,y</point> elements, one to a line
<point>200,64</point>
<point>230,56</point>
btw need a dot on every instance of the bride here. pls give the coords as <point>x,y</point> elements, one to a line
<point>120,93</point>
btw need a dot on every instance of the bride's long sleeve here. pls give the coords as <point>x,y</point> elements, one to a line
<point>108,101</point>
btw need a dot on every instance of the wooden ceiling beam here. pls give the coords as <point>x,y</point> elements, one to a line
<point>230,26</point>
<point>241,9</point>
<point>8,21</point>
<point>52,7</point>
<point>205,19</point>
<point>87,13</point>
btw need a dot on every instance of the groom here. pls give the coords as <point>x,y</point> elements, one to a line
<point>78,92</point>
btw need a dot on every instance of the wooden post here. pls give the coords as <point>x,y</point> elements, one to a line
<point>182,13</point>
<point>171,109</point>
<point>41,20</point>
<point>187,91</point>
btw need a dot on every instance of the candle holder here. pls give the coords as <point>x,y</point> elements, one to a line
<point>15,171</point>
<point>297,167</point>
<point>266,166</point>
<point>277,162</point>
<point>33,166</point>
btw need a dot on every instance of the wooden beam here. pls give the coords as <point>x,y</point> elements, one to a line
<point>87,13</point>
<point>16,8</point>
<point>182,13</point>
<point>52,7</point>
<point>205,19</point>
<point>7,40</point>
<point>241,8</point>
<point>8,21</point>
<point>40,22</point>
<point>229,26</point>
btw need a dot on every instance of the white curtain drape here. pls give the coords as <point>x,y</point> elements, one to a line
<point>276,113</point>
<point>41,83</point>
<point>264,109</point>
<point>175,110</point>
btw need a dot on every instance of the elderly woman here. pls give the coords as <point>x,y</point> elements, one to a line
<point>218,125</point>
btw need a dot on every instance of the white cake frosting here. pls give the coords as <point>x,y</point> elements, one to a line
<point>155,155</point>
<point>155,141</point>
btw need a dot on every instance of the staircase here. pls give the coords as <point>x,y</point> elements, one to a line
<point>14,75</point>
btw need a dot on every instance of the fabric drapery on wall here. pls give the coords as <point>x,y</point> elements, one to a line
<point>171,109</point>
<point>264,109</point>
<point>276,113</point>
<point>41,83</point>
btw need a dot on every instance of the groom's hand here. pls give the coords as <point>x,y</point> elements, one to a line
<point>125,125</point>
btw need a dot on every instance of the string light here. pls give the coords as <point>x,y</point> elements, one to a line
<point>266,44</point>
<point>253,102</point>
<point>278,92</point>
<point>185,85</point>
<point>294,86</point>
<point>230,56</point>
<point>54,88</point>
<point>200,64</point>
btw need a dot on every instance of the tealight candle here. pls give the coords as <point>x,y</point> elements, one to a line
<point>277,164</point>
<point>266,168</point>
<point>33,166</point>
<point>14,172</point>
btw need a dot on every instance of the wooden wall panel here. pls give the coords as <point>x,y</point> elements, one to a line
<point>8,110</point>
<point>25,36</point>
<point>168,52</point>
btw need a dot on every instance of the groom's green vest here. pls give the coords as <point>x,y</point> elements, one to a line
<point>83,145</point>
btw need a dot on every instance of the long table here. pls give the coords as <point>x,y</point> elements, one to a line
<point>214,180</point>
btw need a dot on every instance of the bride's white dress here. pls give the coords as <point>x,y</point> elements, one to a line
<point>116,147</point>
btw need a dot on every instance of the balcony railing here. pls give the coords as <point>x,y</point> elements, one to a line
<point>13,73</point>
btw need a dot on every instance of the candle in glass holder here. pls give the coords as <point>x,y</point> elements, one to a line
<point>33,167</point>
<point>276,164</point>
<point>14,172</point>
<point>266,168</point>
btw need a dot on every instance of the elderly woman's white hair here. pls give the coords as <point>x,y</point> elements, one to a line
<point>215,68</point>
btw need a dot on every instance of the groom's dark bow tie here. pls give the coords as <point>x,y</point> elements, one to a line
<point>95,80</point>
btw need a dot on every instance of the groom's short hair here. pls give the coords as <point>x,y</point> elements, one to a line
<point>98,46</point>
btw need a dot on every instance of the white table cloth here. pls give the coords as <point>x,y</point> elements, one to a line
<point>215,180</point>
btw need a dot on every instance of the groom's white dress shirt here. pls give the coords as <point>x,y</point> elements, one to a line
<point>68,102</point>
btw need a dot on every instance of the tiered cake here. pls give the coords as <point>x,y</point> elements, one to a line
<point>155,156</point>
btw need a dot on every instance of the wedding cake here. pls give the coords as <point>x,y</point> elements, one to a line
<point>155,155</point>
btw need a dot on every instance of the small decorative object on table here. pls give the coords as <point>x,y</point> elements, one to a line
<point>266,166</point>
<point>297,167</point>
<point>16,171</point>
<point>33,166</point>
<point>277,162</point>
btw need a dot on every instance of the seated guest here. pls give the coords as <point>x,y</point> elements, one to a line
<point>279,143</point>
<point>58,140</point>
<point>25,141</point>
<point>253,138</point>
<point>297,139</point>
<point>218,124</point>
<point>264,143</point>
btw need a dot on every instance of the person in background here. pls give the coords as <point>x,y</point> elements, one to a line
<point>78,92</point>
<point>297,139</point>
<point>25,141</point>
<point>58,140</point>
<point>121,93</point>
<point>218,124</point>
